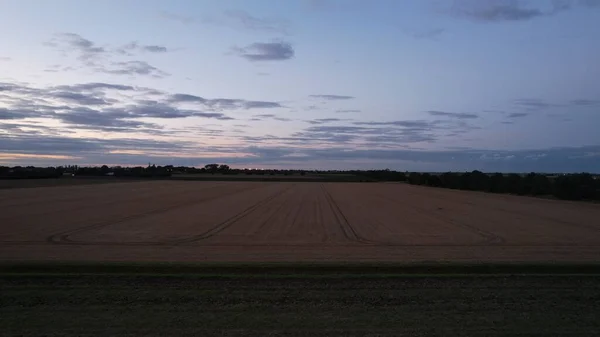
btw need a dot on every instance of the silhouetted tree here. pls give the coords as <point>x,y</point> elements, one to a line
<point>211,168</point>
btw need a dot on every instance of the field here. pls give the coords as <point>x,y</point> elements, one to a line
<point>196,305</point>
<point>51,182</point>
<point>240,258</point>
<point>285,221</point>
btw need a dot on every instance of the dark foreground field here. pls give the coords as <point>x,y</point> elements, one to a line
<point>288,301</point>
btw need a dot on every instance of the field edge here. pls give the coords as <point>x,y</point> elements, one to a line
<point>295,269</point>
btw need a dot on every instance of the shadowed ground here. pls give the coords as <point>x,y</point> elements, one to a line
<point>299,300</point>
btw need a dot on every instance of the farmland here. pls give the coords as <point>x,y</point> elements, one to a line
<point>220,221</point>
<point>242,258</point>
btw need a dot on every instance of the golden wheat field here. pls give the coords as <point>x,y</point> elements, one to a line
<point>282,221</point>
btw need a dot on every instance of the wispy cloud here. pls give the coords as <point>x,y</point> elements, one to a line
<point>514,10</point>
<point>326,120</point>
<point>132,47</point>
<point>234,18</point>
<point>185,19</point>
<point>459,115</point>
<point>131,68</point>
<point>495,10</point>
<point>584,102</point>
<point>261,117</point>
<point>332,97</point>
<point>533,104</point>
<point>269,51</point>
<point>71,42</point>
<point>243,19</point>
<point>103,58</point>
<point>223,103</point>
<point>430,34</point>
<point>115,107</point>
<point>517,115</point>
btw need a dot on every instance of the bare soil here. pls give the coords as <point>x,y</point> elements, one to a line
<point>282,221</point>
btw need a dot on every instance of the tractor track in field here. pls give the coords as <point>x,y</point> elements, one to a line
<point>528,215</point>
<point>349,232</point>
<point>115,202</point>
<point>229,222</point>
<point>64,237</point>
<point>489,238</point>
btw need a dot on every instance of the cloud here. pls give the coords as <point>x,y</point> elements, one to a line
<point>7,113</point>
<point>517,115</point>
<point>5,58</point>
<point>164,110</point>
<point>335,5</point>
<point>341,151</point>
<point>134,46</point>
<point>260,117</point>
<point>347,111</point>
<point>325,120</point>
<point>114,105</point>
<point>183,98</point>
<point>237,19</point>
<point>86,118</point>
<point>94,86</point>
<point>178,17</point>
<point>533,104</point>
<point>35,144</point>
<point>371,133</point>
<point>495,10</point>
<point>132,68</point>
<point>270,51</point>
<point>428,34</point>
<point>260,104</point>
<point>102,58</point>
<point>404,123</point>
<point>224,103</point>
<point>332,97</point>
<point>79,98</point>
<point>240,18</point>
<point>27,128</point>
<point>110,107</point>
<point>513,10</point>
<point>68,42</point>
<point>584,102</point>
<point>459,115</point>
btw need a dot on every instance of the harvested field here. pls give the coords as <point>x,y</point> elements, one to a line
<point>65,181</point>
<point>284,221</point>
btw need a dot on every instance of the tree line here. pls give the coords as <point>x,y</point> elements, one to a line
<point>580,186</point>
<point>32,172</point>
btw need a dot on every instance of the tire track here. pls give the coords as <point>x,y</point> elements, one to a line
<point>489,237</point>
<point>229,222</point>
<point>108,203</point>
<point>526,214</point>
<point>281,206</point>
<point>349,231</point>
<point>64,237</point>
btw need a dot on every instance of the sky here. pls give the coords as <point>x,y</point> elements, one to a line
<point>416,85</point>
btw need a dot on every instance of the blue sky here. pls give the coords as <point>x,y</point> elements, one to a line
<point>494,85</point>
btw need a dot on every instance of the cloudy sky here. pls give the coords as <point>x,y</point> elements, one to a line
<point>433,85</point>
